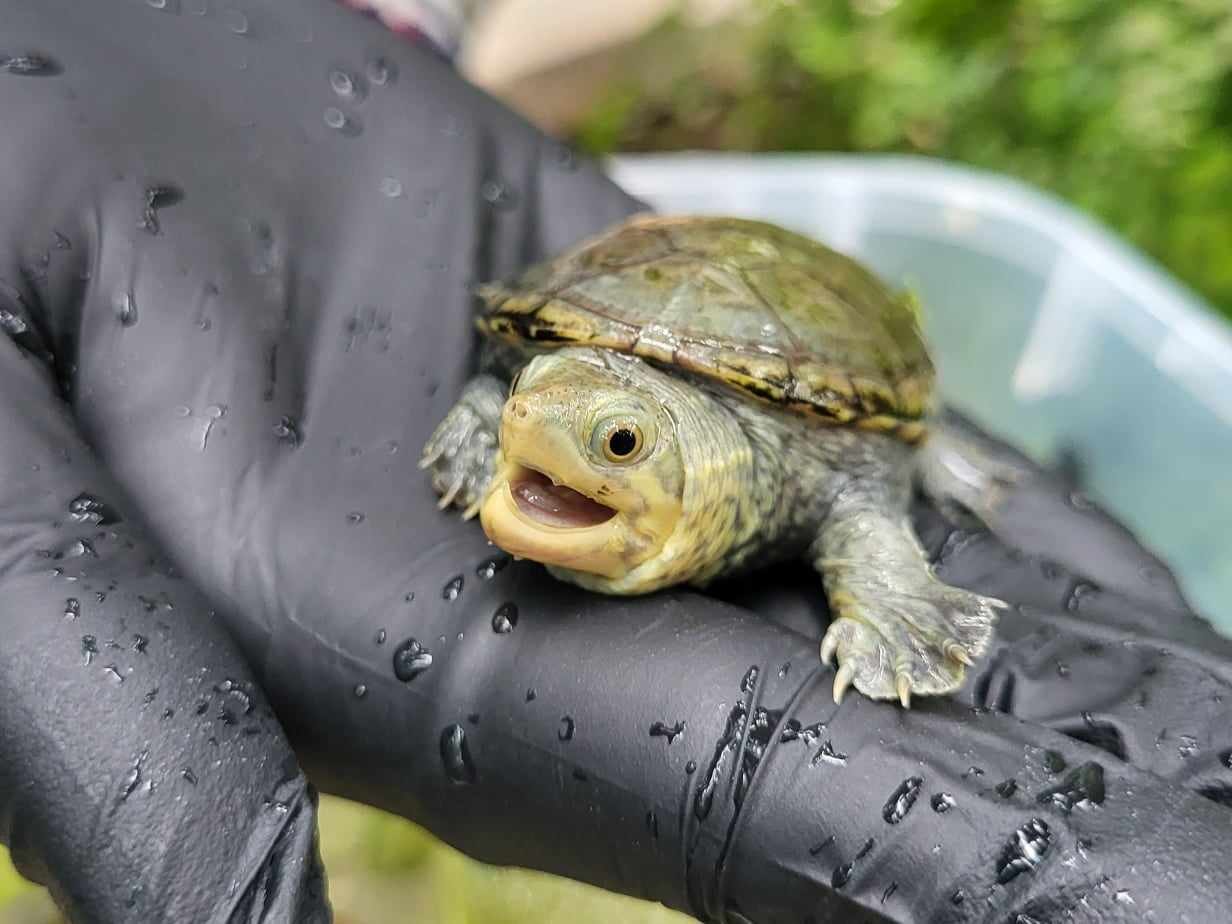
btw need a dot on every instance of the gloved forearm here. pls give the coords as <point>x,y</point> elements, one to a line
<point>142,773</point>
<point>685,750</point>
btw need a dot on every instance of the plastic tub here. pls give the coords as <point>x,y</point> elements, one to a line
<point>1047,329</point>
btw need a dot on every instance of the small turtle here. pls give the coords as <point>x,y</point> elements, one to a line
<point>692,397</point>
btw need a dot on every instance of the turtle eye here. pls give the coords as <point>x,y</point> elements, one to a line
<point>623,443</point>
<point>620,441</point>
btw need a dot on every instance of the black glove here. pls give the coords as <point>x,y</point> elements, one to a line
<point>235,252</point>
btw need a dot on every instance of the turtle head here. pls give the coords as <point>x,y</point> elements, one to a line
<point>590,479</point>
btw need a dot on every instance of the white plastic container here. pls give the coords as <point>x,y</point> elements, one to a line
<point>1047,330</point>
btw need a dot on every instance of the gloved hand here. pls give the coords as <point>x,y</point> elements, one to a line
<point>236,244</point>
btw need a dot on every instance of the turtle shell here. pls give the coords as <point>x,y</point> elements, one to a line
<point>767,311</point>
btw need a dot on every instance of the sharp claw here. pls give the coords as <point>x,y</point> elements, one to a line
<point>997,604</point>
<point>903,683</point>
<point>958,653</point>
<point>448,496</point>
<point>469,512</point>
<point>842,680</point>
<point>829,645</point>
<point>428,459</point>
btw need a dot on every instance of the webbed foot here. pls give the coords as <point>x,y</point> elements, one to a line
<point>461,453</point>
<point>898,634</point>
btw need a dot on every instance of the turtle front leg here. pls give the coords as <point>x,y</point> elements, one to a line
<point>461,453</point>
<point>896,629</point>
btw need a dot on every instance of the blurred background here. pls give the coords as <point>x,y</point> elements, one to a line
<point>1122,109</point>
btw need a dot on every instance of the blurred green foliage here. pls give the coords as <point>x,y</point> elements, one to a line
<point>1123,107</point>
<point>383,870</point>
<point>11,885</point>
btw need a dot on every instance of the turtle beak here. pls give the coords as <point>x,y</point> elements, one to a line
<point>544,503</point>
<point>550,504</point>
<point>578,548</point>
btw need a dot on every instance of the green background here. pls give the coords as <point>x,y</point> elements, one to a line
<point>383,870</point>
<point>1124,108</point>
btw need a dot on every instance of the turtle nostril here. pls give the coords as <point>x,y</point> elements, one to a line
<point>520,410</point>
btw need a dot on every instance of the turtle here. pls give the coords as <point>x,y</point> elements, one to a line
<point>680,399</point>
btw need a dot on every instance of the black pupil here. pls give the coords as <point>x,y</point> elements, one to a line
<point>622,442</point>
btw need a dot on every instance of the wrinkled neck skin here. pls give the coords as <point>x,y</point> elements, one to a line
<point>803,473</point>
<point>723,497</point>
<point>802,470</point>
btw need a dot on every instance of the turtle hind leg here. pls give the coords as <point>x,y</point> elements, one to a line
<point>461,452</point>
<point>896,630</point>
<point>966,475</point>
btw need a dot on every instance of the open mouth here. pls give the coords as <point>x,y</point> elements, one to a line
<point>554,505</point>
